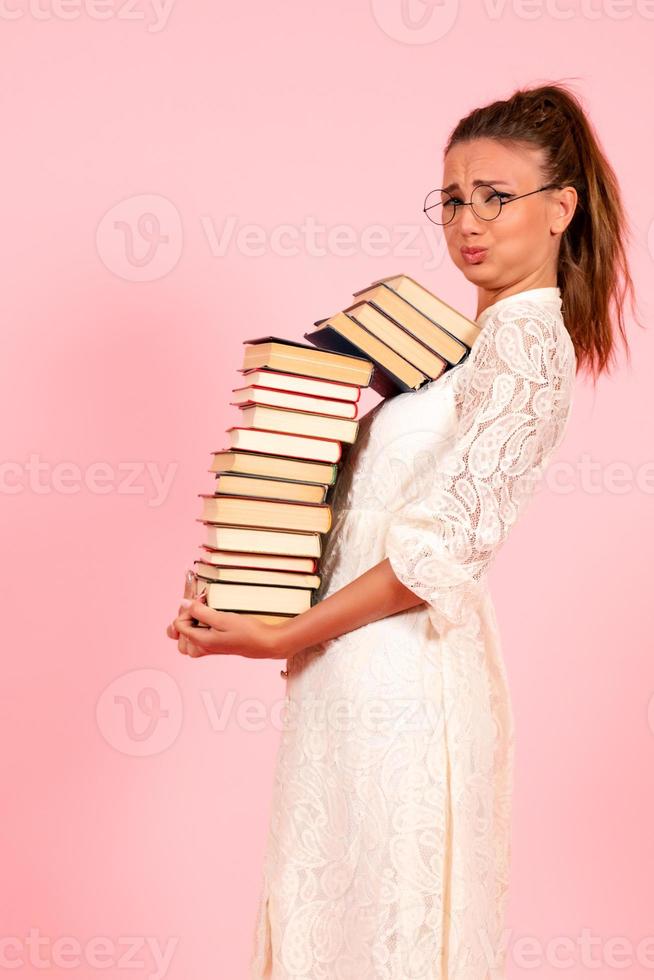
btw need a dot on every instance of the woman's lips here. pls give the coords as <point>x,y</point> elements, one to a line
<point>473,255</point>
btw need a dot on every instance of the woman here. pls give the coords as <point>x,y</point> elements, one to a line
<point>388,850</point>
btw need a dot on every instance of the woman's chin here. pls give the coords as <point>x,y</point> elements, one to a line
<point>480,274</point>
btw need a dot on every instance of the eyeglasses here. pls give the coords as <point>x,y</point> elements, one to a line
<point>485,201</point>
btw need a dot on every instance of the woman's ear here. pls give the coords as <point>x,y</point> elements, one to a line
<point>564,207</point>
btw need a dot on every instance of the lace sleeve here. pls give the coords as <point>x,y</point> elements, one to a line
<point>513,403</point>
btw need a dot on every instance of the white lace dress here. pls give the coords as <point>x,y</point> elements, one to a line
<point>389,843</point>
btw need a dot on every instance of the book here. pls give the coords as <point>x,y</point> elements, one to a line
<point>261,513</point>
<point>232,597</point>
<point>273,619</point>
<point>284,444</point>
<point>262,540</point>
<point>285,468</point>
<point>294,357</point>
<point>436,309</point>
<point>299,423</point>
<point>256,576</point>
<point>247,559</point>
<point>401,312</point>
<point>257,486</point>
<point>302,383</point>
<point>398,339</point>
<point>256,395</point>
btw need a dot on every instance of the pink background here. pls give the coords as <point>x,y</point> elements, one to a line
<point>132,808</point>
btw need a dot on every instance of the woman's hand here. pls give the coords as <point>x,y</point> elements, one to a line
<point>370,597</point>
<point>190,592</point>
<point>223,632</point>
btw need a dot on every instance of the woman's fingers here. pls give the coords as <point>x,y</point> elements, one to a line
<point>185,610</point>
<point>190,588</point>
<point>194,596</point>
<point>206,616</point>
<point>190,584</point>
<point>189,648</point>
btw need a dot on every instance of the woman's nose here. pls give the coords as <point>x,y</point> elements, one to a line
<point>467,219</point>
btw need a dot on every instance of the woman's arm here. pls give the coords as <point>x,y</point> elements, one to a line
<point>374,595</point>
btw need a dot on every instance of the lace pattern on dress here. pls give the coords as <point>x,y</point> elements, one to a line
<point>513,402</point>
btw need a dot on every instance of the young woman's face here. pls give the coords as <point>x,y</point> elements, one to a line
<point>518,246</point>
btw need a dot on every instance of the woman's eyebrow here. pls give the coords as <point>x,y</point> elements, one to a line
<point>475,183</point>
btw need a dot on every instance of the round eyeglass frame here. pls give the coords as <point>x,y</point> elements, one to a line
<point>463,204</point>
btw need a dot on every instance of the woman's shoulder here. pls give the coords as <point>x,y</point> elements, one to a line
<point>523,348</point>
<point>524,332</point>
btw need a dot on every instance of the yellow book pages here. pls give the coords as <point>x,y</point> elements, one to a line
<point>355,333</point>
<point>291,400</point>
<point>309,361</point>
<point>257,512</point>
<point>258,598</point>
<point>432,306</point>
<point>299,423</point>
<point>393,305</point>
<point>260,464</point>
<point>259,486</point>
<point>262,540</point>
<point>285,444</point>
<point>404,343</point>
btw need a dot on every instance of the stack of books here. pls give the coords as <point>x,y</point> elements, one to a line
<point>265,520</point>
<point>274,482</point>
<point>412,336</point>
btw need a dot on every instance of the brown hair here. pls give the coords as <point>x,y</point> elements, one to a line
<point>593,272</point>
